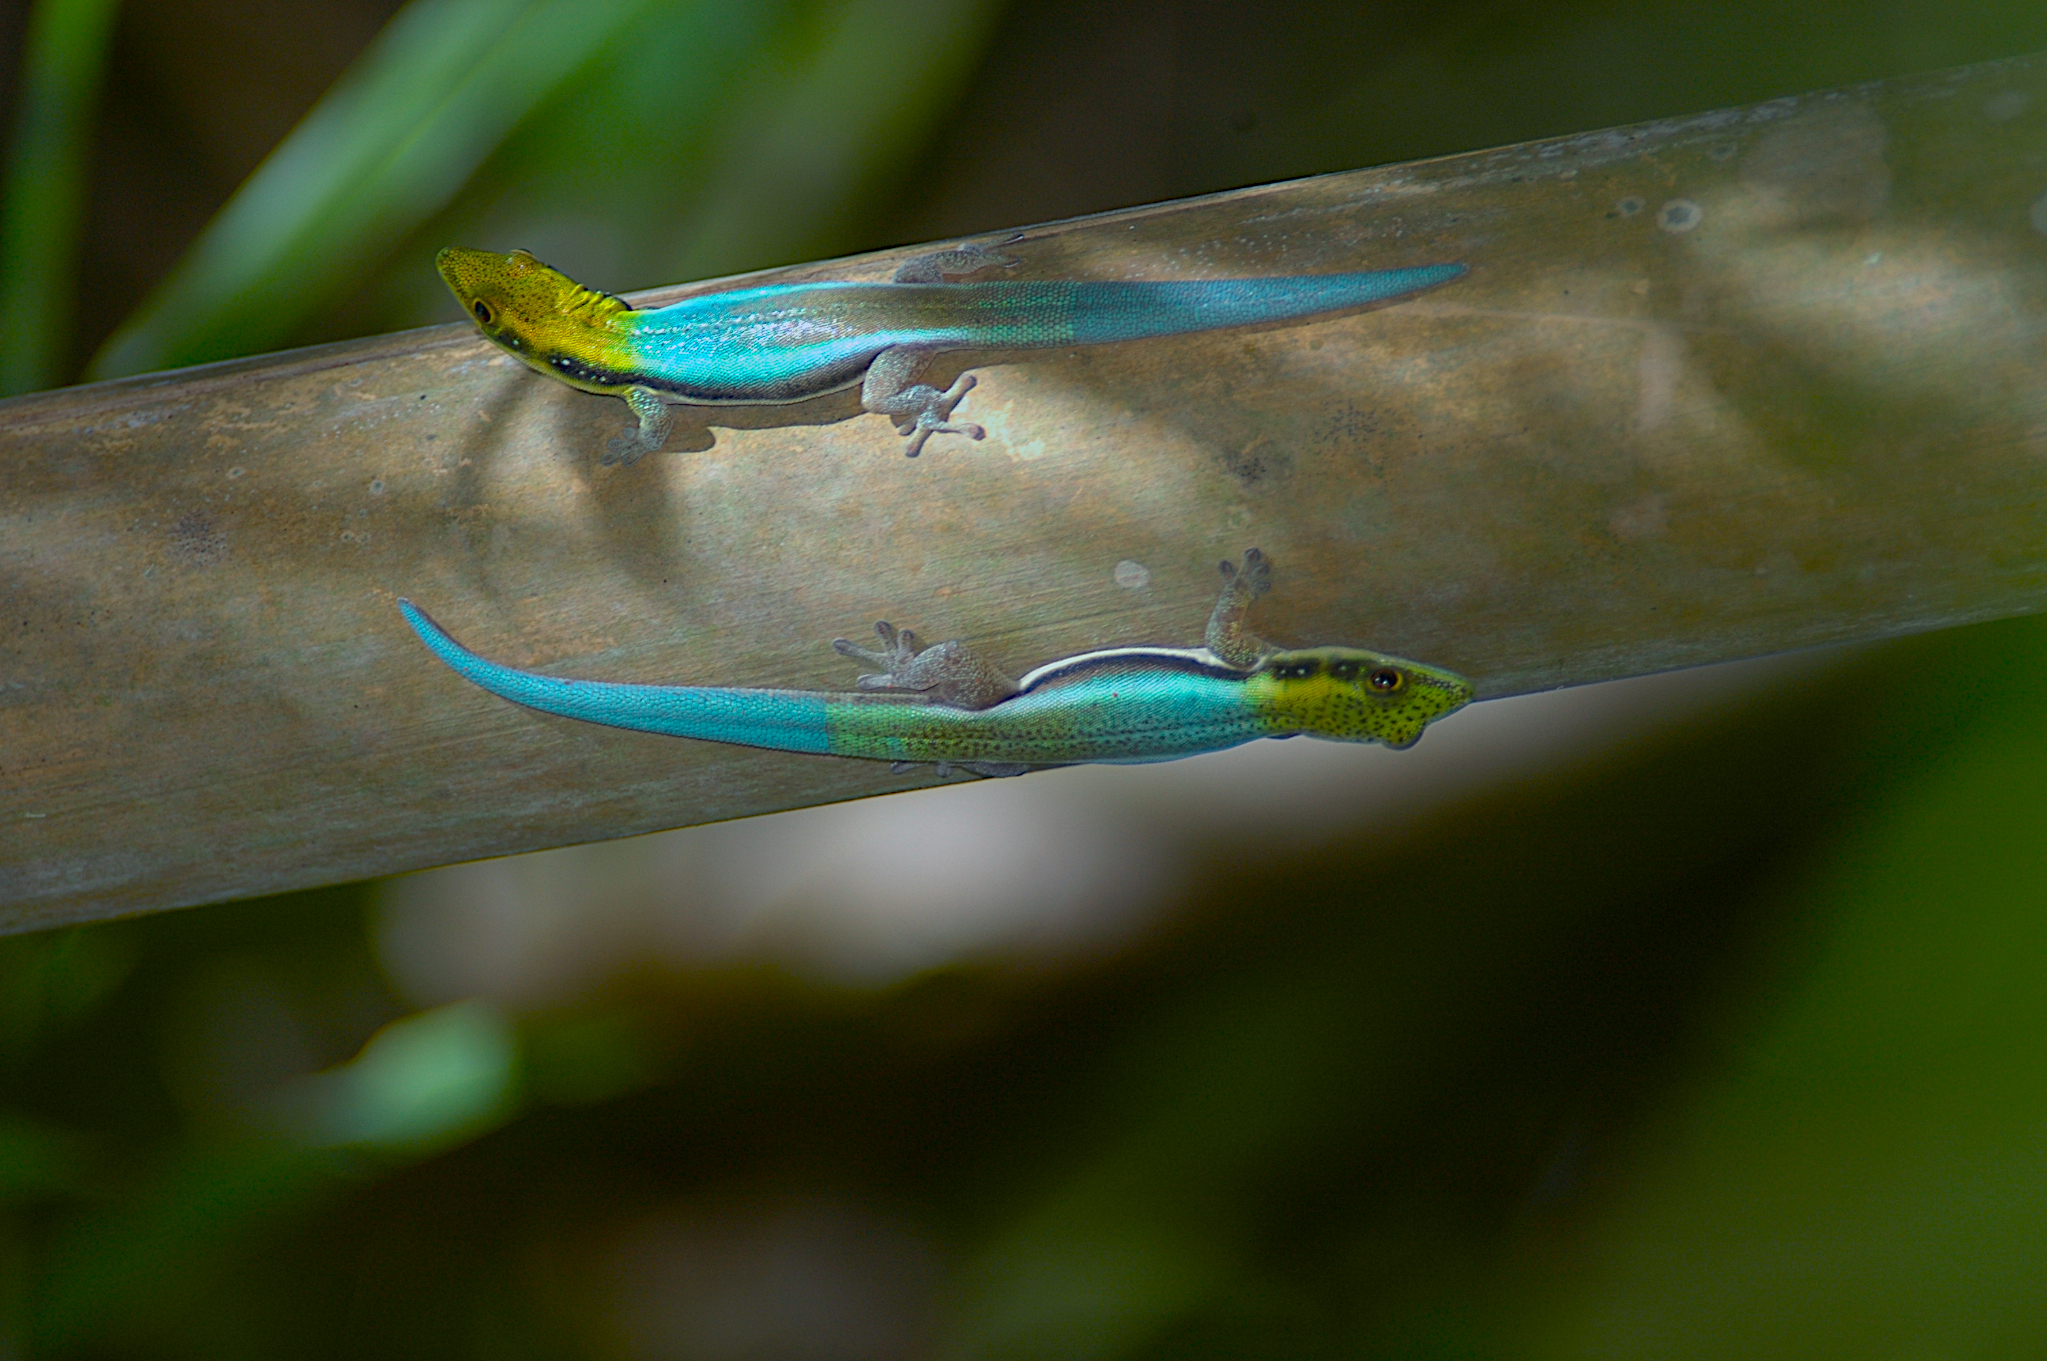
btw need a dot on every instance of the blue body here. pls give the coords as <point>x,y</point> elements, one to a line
<point>1131,706</point>
<point>791,341</point>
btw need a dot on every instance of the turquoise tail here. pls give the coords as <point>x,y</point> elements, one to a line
<point>782,720</point>
<point>1104,313</point>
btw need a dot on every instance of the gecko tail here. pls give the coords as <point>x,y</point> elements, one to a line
<point>547,693</point>
<point>438,640</point>
<point>780,720</point>
<point>1107,312</point>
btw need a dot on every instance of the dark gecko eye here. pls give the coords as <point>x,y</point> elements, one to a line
<point>1385,680</point>
<point>482,310</point>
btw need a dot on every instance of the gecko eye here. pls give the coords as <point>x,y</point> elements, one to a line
<point>482,310</point>
<point>1385,680</point>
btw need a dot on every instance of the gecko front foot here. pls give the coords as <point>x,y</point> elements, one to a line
<point>1229,634</point>
<point>1255,576</point>
<point>650,434</point>
<point>626,450</point>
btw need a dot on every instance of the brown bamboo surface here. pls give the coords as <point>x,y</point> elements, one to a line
<point>1714,387</point>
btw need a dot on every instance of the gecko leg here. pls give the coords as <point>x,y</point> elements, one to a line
<point>898,648</point>
<point>1229,631</point>
<point>944,769</point>
<point>940,265</point>
<point>918,409</point>
<point>651,434</point>
<point>950,673</point>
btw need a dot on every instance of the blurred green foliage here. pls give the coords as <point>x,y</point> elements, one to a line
<point>1732,1047</point>
<point>682,135</point>
<point>42,197</point>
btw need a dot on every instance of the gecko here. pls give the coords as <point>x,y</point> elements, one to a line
<point>946,705</point>
<point>786,343</point>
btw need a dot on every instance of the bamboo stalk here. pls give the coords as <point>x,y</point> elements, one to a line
<point>1715,387</point>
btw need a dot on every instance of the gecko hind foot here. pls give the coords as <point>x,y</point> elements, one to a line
<point>945,770</point>
<point>939,265</point>
<point>898,649</point>
<point>947,673</point>
<point>997,769</point>
<point>933,416</point>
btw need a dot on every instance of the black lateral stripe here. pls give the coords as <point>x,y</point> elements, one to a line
<point>798,389</point>
<point>576,371</point>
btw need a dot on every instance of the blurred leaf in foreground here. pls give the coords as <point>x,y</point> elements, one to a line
<point>837,116</point>
<point>392,142</point>
<point>721,139</point>
<point>669,139</point>
<point>42,199</point>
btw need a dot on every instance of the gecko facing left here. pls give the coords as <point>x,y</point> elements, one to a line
<point>790,342</point>
<point>946,705</point>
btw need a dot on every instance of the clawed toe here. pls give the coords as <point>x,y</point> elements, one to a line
<point>1257,571</point>
<point>898,646</point>
<point>924,427</point>
<point>942,409</point>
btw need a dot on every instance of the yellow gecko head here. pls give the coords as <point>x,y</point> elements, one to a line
<point>1352,695</point>
<point>542,316</point>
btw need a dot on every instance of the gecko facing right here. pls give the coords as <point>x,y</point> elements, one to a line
<point>946,705</point>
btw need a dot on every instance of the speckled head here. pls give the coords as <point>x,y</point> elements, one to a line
<point>1352,695</point>
<point>542,316</point>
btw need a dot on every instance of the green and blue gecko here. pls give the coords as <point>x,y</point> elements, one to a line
<point>790,342</point>
<point>944,704</point>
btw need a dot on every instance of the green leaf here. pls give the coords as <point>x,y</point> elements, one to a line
<point>393,141</point>
<point>42,199</point>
